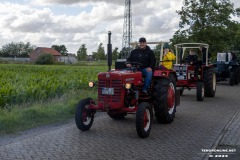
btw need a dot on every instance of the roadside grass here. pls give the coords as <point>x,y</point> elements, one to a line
<point>30,115</point>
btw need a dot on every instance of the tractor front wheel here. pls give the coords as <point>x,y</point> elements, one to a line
<point>84,116</point>
<point>144,119</point>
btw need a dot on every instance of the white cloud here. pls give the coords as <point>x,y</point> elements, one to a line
<point>80,2</point>
<point>48,22</point>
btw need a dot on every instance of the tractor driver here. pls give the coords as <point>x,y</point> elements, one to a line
<point>192,58</point>
<point>146,57</point>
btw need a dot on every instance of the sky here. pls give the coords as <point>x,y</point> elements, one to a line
<point>72,23</point>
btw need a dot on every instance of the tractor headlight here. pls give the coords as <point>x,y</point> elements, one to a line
<point>164,73</point>
<point>91,84</point>
<point>128,85</point>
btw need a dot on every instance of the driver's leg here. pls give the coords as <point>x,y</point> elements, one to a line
<point>148,79</point>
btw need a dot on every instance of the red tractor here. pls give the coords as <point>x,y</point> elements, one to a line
<point>200,76</point>
<point>119,93</point>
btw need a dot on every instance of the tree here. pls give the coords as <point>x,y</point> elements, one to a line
<point>94,55</point>
<point>101,53</point>
<point>17,49</point>
<point>208,21</point>
<point>45,59</point>
<point>115,54</point>
<point>61,49</point>
<point>236,41</point>
<point>156,52</point>
<point>82,53</point>
<point>125,52</point>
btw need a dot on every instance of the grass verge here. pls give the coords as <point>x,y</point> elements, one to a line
<point>26,116</point>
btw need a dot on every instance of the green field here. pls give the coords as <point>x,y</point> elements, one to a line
<point>35,95</point>
<point>30,83</point>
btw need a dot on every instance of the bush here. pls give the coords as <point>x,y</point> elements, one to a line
<point>45,59</point>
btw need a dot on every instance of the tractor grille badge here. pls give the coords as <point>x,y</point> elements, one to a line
<point>107,75</point>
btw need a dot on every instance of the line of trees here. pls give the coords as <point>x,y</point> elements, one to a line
<point>209,21</point>
<point>20,49</point>
<point>99,55</point>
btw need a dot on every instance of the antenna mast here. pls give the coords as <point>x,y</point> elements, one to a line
<point>127,30</point>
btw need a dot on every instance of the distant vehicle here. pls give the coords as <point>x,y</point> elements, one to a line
<point>227,68</point>
<point>200,75</point>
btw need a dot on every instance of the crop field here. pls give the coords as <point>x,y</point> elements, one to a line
<point>28,83</point>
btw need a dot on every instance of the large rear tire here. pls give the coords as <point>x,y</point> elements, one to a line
<point>232,78</point>
<point>237,72</point>
<point>83,116</point>
<point>200,91</point>
<point>144,119</point>
<point>210,82</point>
<point>164,99</point>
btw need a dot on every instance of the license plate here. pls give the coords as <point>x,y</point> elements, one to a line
<point>108,91</point>
<point>180,77</point>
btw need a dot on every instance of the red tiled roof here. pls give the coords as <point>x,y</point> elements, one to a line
<point>49,50</point>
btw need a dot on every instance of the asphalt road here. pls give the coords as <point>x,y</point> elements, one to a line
<point>198,127</point>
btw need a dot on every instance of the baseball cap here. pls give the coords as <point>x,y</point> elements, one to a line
<point>142,39</point>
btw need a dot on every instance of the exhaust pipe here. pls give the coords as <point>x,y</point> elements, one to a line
<point>109,51</point>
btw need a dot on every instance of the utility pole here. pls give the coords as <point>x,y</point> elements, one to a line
<point>127,30</point>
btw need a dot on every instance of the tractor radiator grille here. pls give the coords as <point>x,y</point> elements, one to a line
<point>181,72</point>
<point>115,84</point>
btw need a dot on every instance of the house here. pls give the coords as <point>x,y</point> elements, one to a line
<point>43,50</point>
<point>70,58</point>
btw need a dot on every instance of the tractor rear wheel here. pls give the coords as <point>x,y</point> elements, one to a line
<point>144,119</point>
<point>200,91</point>
<point>210,82</point>
<point>83,116</point>
<point>173,81</point>
<point>232,78</point>
<point>237,72</point>
<point>164,99</point>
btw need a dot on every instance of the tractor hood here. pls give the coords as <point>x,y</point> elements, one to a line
<point>125,76</point>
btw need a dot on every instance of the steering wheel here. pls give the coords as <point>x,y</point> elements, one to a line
<point>134,64</point>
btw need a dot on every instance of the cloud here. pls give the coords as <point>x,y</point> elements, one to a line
<point>71,2</point>
<point>50,22</point>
